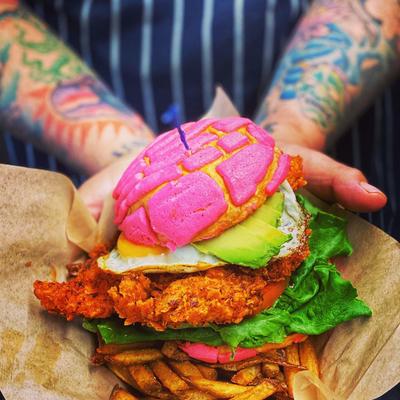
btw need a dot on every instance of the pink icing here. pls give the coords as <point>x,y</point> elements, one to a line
<point>137,188</point>
<point>232,141</point>
<point>134,167</point>
<point>160,162</point>
<point>212,354</point>
<point>279,175</point>
<point>169,141</point>
<point>151,182</point>
<point>245,170</point>
<point>199,141</point>
<point>183,208</point>
<point>198,127</point>
<point>201,158</point>
<point>231,123</point>
<point>137,229</point>
<point>121,206</point>
<point>161,141</point>
<point>261,135</point>
<point>166,151</point>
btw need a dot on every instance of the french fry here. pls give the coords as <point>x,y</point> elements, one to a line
<point>308,357</point>
<point>259,392</point>
<point>270,370</point>
<point>224,390</point>
<point>280,377</point>
<point>137,356</point>
<point>168,377</point>
<point>171,350</point>
<point>122,373</point>
<point>292,356</point>
<point>238,365</point>
<point>195,395</point>
<point>146,380</point>
<point>208,372</point>
<point>118,348</point>
<point>185,368</point>
<point>121,394</point>
<point>247,375</point>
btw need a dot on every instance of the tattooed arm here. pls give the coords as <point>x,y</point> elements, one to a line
<point>342,53</point>
<point>50,97</point>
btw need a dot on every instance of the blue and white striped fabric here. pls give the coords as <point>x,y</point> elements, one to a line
<point>152,54</point>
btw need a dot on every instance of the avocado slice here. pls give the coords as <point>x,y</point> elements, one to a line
<point>253,242</point>
<point>270,212</point>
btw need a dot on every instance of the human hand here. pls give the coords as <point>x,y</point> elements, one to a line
<point>335,182</point>
<point>99,186</point>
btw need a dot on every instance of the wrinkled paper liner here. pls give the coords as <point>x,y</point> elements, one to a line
<point>44,225</point>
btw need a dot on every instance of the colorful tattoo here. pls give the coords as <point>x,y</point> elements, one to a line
<point>342,52</point>
<point>49,96</point>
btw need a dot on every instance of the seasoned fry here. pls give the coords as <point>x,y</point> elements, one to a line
<point>218,389</point>
<point>308,357</point>
<point>270,370</point>
<point>292,355</point>
<point>168,377</point>
<point>238,365</point>
<point>118,348</point>
<point>168,373</point>
<point>185,369</point>
<point>123,374</point>
<point>280,377</point>
<point>172,351</point>
<point>208,372</point>
<point>259,392</point>
<point>247,375</point>
<point>131,357</point>
<point>195,395</point>
<point>121,394</point>
<point>145,380</point>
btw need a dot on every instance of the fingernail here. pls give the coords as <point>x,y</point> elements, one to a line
<point>369,188</point>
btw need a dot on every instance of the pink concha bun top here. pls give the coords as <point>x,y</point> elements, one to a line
<point>170,197</point>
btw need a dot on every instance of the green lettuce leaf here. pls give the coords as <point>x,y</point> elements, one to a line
<point>113,331</point>
<point>316,300</point>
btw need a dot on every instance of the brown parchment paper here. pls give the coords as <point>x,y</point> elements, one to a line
<point>42,221</point>
<point>44,225</point>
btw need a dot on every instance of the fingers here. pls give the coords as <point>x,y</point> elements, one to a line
<point>336,182</point>
<point>101,185</point>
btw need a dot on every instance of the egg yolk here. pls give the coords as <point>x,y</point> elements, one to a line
<point>127,248</point>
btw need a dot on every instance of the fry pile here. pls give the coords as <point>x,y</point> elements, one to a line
<point>163,371</point>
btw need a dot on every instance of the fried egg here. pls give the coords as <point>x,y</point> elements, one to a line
<point>128,256</point>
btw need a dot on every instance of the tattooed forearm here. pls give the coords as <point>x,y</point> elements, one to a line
<point>343,52</point>
<point>49,96</point>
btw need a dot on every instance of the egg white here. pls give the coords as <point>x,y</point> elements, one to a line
<point>183,259</point>
<point>293,221</point>
<point>188,259</point>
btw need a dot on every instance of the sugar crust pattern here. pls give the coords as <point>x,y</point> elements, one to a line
<point>170,197</point>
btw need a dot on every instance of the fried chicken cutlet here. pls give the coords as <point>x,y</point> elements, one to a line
<point>220,295</point>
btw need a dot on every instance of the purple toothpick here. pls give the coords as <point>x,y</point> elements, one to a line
<point>172,117</point>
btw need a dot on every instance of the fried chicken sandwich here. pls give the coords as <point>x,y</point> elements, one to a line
<point>215,250</point>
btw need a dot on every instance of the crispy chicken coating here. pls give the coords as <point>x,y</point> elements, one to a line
<point>219,295</point>
<point>85,295</point>
<point>295,176</point>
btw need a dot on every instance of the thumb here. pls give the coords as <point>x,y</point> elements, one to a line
<point>336,182</point>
